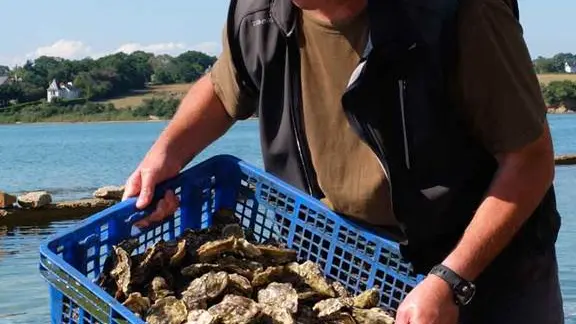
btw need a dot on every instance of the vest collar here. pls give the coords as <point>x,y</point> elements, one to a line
<point>284,15</point>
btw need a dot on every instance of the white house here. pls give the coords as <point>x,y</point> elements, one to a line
<point>569,68</point>
<point>62,91</point>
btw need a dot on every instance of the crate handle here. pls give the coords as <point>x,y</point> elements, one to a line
<point>89,239</point>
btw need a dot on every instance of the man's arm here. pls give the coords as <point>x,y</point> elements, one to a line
<point>199,121</point>
<point>522,179</point>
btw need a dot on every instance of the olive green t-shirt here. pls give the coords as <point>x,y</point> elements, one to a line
<point>498,91</point>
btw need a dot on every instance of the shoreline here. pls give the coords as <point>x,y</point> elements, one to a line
<point>155,120</point>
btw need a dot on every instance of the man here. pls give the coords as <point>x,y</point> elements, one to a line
<point>469,187</point>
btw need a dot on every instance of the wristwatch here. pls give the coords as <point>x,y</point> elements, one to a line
<point>463,290</point>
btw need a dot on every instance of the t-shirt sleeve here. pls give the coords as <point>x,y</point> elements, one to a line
<point>501,95</point>
<point>223,75</point>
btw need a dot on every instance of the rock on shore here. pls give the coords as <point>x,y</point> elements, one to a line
<point>6,200</point>
<point>109,192</point>
<point>35,199</point>
<point>568,159</point>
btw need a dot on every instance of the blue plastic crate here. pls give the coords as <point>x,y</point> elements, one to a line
<point>357,257</point>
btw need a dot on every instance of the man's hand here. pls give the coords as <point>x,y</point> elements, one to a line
<point>155,168</point>
<point>430,302</point>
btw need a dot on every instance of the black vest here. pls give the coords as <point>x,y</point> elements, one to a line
<point>399,101</point>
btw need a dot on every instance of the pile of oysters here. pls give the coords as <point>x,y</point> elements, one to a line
<point>222,275</point>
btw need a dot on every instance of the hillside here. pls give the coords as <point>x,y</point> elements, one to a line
<point>547,78</point>
<point>158,91</point>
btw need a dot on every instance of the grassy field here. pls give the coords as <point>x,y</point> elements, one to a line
<point>137,96</point>
<point>547,78</point>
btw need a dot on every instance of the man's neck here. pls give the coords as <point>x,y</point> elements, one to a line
<point>334,10</point>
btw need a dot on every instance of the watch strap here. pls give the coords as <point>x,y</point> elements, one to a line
<point>463,290</point>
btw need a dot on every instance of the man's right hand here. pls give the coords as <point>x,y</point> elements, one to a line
<point>155,168</point>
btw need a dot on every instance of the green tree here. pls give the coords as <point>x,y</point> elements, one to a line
<point>558,93</point>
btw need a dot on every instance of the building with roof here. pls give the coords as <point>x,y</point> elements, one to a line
<point>569,68</point>
<point>4,79</point>
<point>61,90</point>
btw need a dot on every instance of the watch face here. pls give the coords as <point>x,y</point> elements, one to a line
<point>465,293</point>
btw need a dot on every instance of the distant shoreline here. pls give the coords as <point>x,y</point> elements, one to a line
<point>96,122</point>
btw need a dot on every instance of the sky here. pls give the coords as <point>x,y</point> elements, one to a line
<point>77,29</point>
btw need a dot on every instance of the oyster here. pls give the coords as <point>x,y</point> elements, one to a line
<point>312,275</point>
<point>205,288</point>
<point>279,295</point>
<point>159,289</point>
<point>211,250</point>
<point>239,285</point>
<point>228,264</point>
<point>168,310</point>
<point>138,304</point>
<point>121,272</point>
<point>309,296</point>
<point>277,255</point>
<point>368,299</point>
<point>200,316</point>
<point>341,318</point>
<point>235,310</point>
<point>233,230</point>
<point>276,315</point>
<point>330,307</point>
<point>340,290</point>
<point>373,315</point>
<point>283,273</point>
<point>179,254</point>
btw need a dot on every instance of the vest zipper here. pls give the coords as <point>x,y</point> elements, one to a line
<point>383,164</point>
<point>402,96</point>
<point>297,127</point>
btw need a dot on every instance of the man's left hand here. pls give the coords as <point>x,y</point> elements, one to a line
<point>430,302</point>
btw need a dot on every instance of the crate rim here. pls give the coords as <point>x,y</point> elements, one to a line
<point>128,206</point>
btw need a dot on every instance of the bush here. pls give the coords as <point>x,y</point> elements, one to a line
<point>558,93</point>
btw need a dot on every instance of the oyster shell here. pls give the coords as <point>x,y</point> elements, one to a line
<point>235,310</point>
<point>229,264</point>
<point>367,299</point>
<point>309,297</point>
<point>330,307</point>
<point>179,254</point>
<point>312,275</point>
<point>200,316</point>
<point>207,287</point>
<point>168,310</point>
<point>340,290</point>
<point>138,304</point>
<point>233,230</point>
<point>121,272</point>
<point>276,315</point>
<point>341,318</point>
<point>159,289</point>
<point>277,255</point>
<point>373,315</point>
<point>279,295</point>
<point>283,273</point>
<point>211,250</point>
<point>239,285</point>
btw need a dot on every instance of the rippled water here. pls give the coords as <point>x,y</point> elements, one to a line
<point>71,160</point>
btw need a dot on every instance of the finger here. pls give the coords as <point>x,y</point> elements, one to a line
<point>402,317</point>
<point>172,202</point>
<point>132,185</point>
<point>160,211</point>
<point>148,180</point>
<point>143,223</point>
